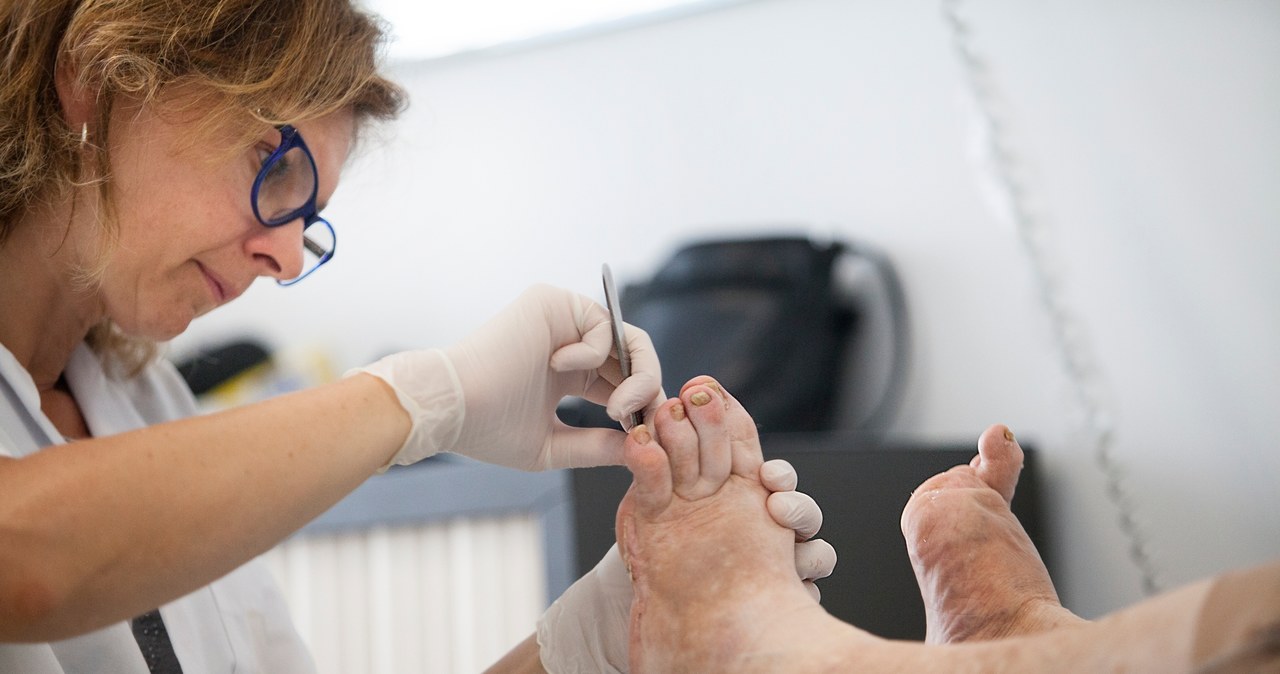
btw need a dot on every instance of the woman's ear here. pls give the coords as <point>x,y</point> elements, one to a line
<point>77,100</point>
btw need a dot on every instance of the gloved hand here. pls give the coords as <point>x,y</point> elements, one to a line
<point>587,629</point>
<point>798,511</point>
<point>493,395</point>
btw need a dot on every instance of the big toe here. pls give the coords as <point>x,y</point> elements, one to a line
<point>651,487</point>
<point>999,460</point>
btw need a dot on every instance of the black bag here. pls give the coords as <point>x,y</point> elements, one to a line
<point>764,316</point>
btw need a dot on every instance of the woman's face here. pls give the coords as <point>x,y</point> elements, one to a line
<point>189,241</point>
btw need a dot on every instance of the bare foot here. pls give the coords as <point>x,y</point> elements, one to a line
<point>979,573</point>
<point>716,590</point>
<point>714,576</point>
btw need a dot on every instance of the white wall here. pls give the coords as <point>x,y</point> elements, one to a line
<point>1149,131</point>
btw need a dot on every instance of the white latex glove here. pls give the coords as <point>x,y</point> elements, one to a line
<point>586,630</point>
<point>798,511</point>
<point>493,395</point>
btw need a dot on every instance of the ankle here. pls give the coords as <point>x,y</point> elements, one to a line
<point>1033,616</point>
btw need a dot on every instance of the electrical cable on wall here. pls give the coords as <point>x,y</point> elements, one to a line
<point>1084,376</point>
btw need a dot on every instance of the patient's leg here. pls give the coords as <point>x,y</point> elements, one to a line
<point>1230,623</point>
<point>979,574</point>
<point>716,591</point>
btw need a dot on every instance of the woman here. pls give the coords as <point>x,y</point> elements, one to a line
<point>158,157</point>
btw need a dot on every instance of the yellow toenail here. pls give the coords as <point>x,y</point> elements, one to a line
<point>677,412</point>
<point>700,398</point>
<point>1008,435</point>
<point>715,386</point>
<point>641,435</point>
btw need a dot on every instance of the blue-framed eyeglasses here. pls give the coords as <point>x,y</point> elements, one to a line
<point>285,190</point>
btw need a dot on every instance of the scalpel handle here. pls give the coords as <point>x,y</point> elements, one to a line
<point>619,338</point>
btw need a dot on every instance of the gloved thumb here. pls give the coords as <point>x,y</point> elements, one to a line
<point>795,510</point>
<point>573,447</point>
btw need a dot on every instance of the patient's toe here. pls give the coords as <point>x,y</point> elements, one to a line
<point>999,460</point>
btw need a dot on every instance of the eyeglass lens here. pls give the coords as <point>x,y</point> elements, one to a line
<point>288,184</point>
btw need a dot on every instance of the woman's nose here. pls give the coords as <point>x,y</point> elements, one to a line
<point>277,251</point>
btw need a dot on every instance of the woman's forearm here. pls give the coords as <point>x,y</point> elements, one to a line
<point>99,530</point>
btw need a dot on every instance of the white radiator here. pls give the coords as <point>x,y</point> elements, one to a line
<point>444,597</point>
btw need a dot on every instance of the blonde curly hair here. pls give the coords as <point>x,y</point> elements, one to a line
<point>273,61</point>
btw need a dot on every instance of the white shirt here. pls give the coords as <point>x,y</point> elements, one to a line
<point>238,624</point>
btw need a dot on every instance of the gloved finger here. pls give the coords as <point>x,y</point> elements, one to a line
<point>797,511</point>
<point>778,475</point>
<point>815,559</point>
<point>813,590</point>
<point>642,391</point>
<point>601,391</point>
<point>595,339</point>
<point>644,357</point>
<point>589,353</point>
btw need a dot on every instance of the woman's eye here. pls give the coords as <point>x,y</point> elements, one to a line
<point>279,168</point>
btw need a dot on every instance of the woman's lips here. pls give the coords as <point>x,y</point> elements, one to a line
<point>216,286</point>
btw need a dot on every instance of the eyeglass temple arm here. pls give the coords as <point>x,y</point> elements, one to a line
<point>315,248</point>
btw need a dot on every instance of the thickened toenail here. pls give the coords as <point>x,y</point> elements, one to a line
<point>641,435</point>
<point>677,412</point>
<point>1008,435</point>
<point>700,398</point>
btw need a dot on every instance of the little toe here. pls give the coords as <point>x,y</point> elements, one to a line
<point>748,455</point>
<point>999,460</point>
